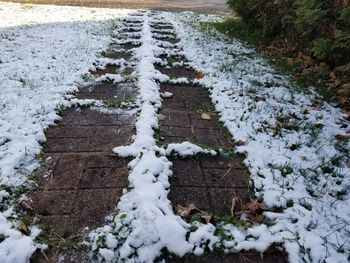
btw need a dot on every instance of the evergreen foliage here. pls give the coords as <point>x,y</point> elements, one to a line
<point>321,27</point>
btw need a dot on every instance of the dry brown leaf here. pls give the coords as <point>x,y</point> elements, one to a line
<point>342,138</point>
<point>332,75</point>
<point>207,218</point>
<point>263,206</point>
<point>240,143</point>
<point>23,227</point>
<point>199,75</point>
<point>161,117</point>
<point>258,218</point>
<point>253,206</point>
<point>333,192</point>
<point>185,211</point>
<point>206,116</point>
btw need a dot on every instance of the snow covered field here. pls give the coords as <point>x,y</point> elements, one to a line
<point>44,50</point>
<point>293,143</point>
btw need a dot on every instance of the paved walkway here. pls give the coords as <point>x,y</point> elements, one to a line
<point>80,181</point>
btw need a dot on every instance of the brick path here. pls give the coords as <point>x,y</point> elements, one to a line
<point>209,182</point>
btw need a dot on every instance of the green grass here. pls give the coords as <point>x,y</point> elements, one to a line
<point>235,28</point>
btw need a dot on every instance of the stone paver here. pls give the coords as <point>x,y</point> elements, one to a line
<point>209,182</point>
<point>85,181</point>
<point>183,118</point>
<point>108,91</point>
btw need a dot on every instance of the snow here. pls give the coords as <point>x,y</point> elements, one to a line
<point>288,138</point>
<point>166,94</point>
<point>187,149</point>
<point>15,247</point>
<point>44,53</point>
<point>115,78</point>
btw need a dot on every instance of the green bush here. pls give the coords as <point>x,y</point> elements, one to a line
<point>322,48</point>
<point>318,26</point>
<point>345,15</point>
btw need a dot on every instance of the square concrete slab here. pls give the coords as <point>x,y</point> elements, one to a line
<point>185,195</point>
<point>92,206</point>
<point>55,202</point>
<point>73,132</point>
<point>221,162</point>
<point>222,199</point>
<point>94,178</point>
<point>57,145</point>
<point>227,177</point>
<point>105,160</point>
<point>179,118</point>
<point>186,172</point>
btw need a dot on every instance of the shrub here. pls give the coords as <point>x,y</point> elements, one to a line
<point>318,26</point>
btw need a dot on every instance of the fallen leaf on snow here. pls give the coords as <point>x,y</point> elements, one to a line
<point>258,218</point>
<point>199,75</point>
<point>333,192</point>
<point>240,143</point>
<point>343,138</point>
<point>3,140</point>
<point>23,228</point>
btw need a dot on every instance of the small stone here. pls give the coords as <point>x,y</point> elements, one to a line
<point>206,116</point>
<point>161,117</point>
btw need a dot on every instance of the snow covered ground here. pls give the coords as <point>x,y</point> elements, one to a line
<point>44,50</point>
<point>289,139</point>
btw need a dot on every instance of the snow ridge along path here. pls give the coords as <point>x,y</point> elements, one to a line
<point>145,223</point>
